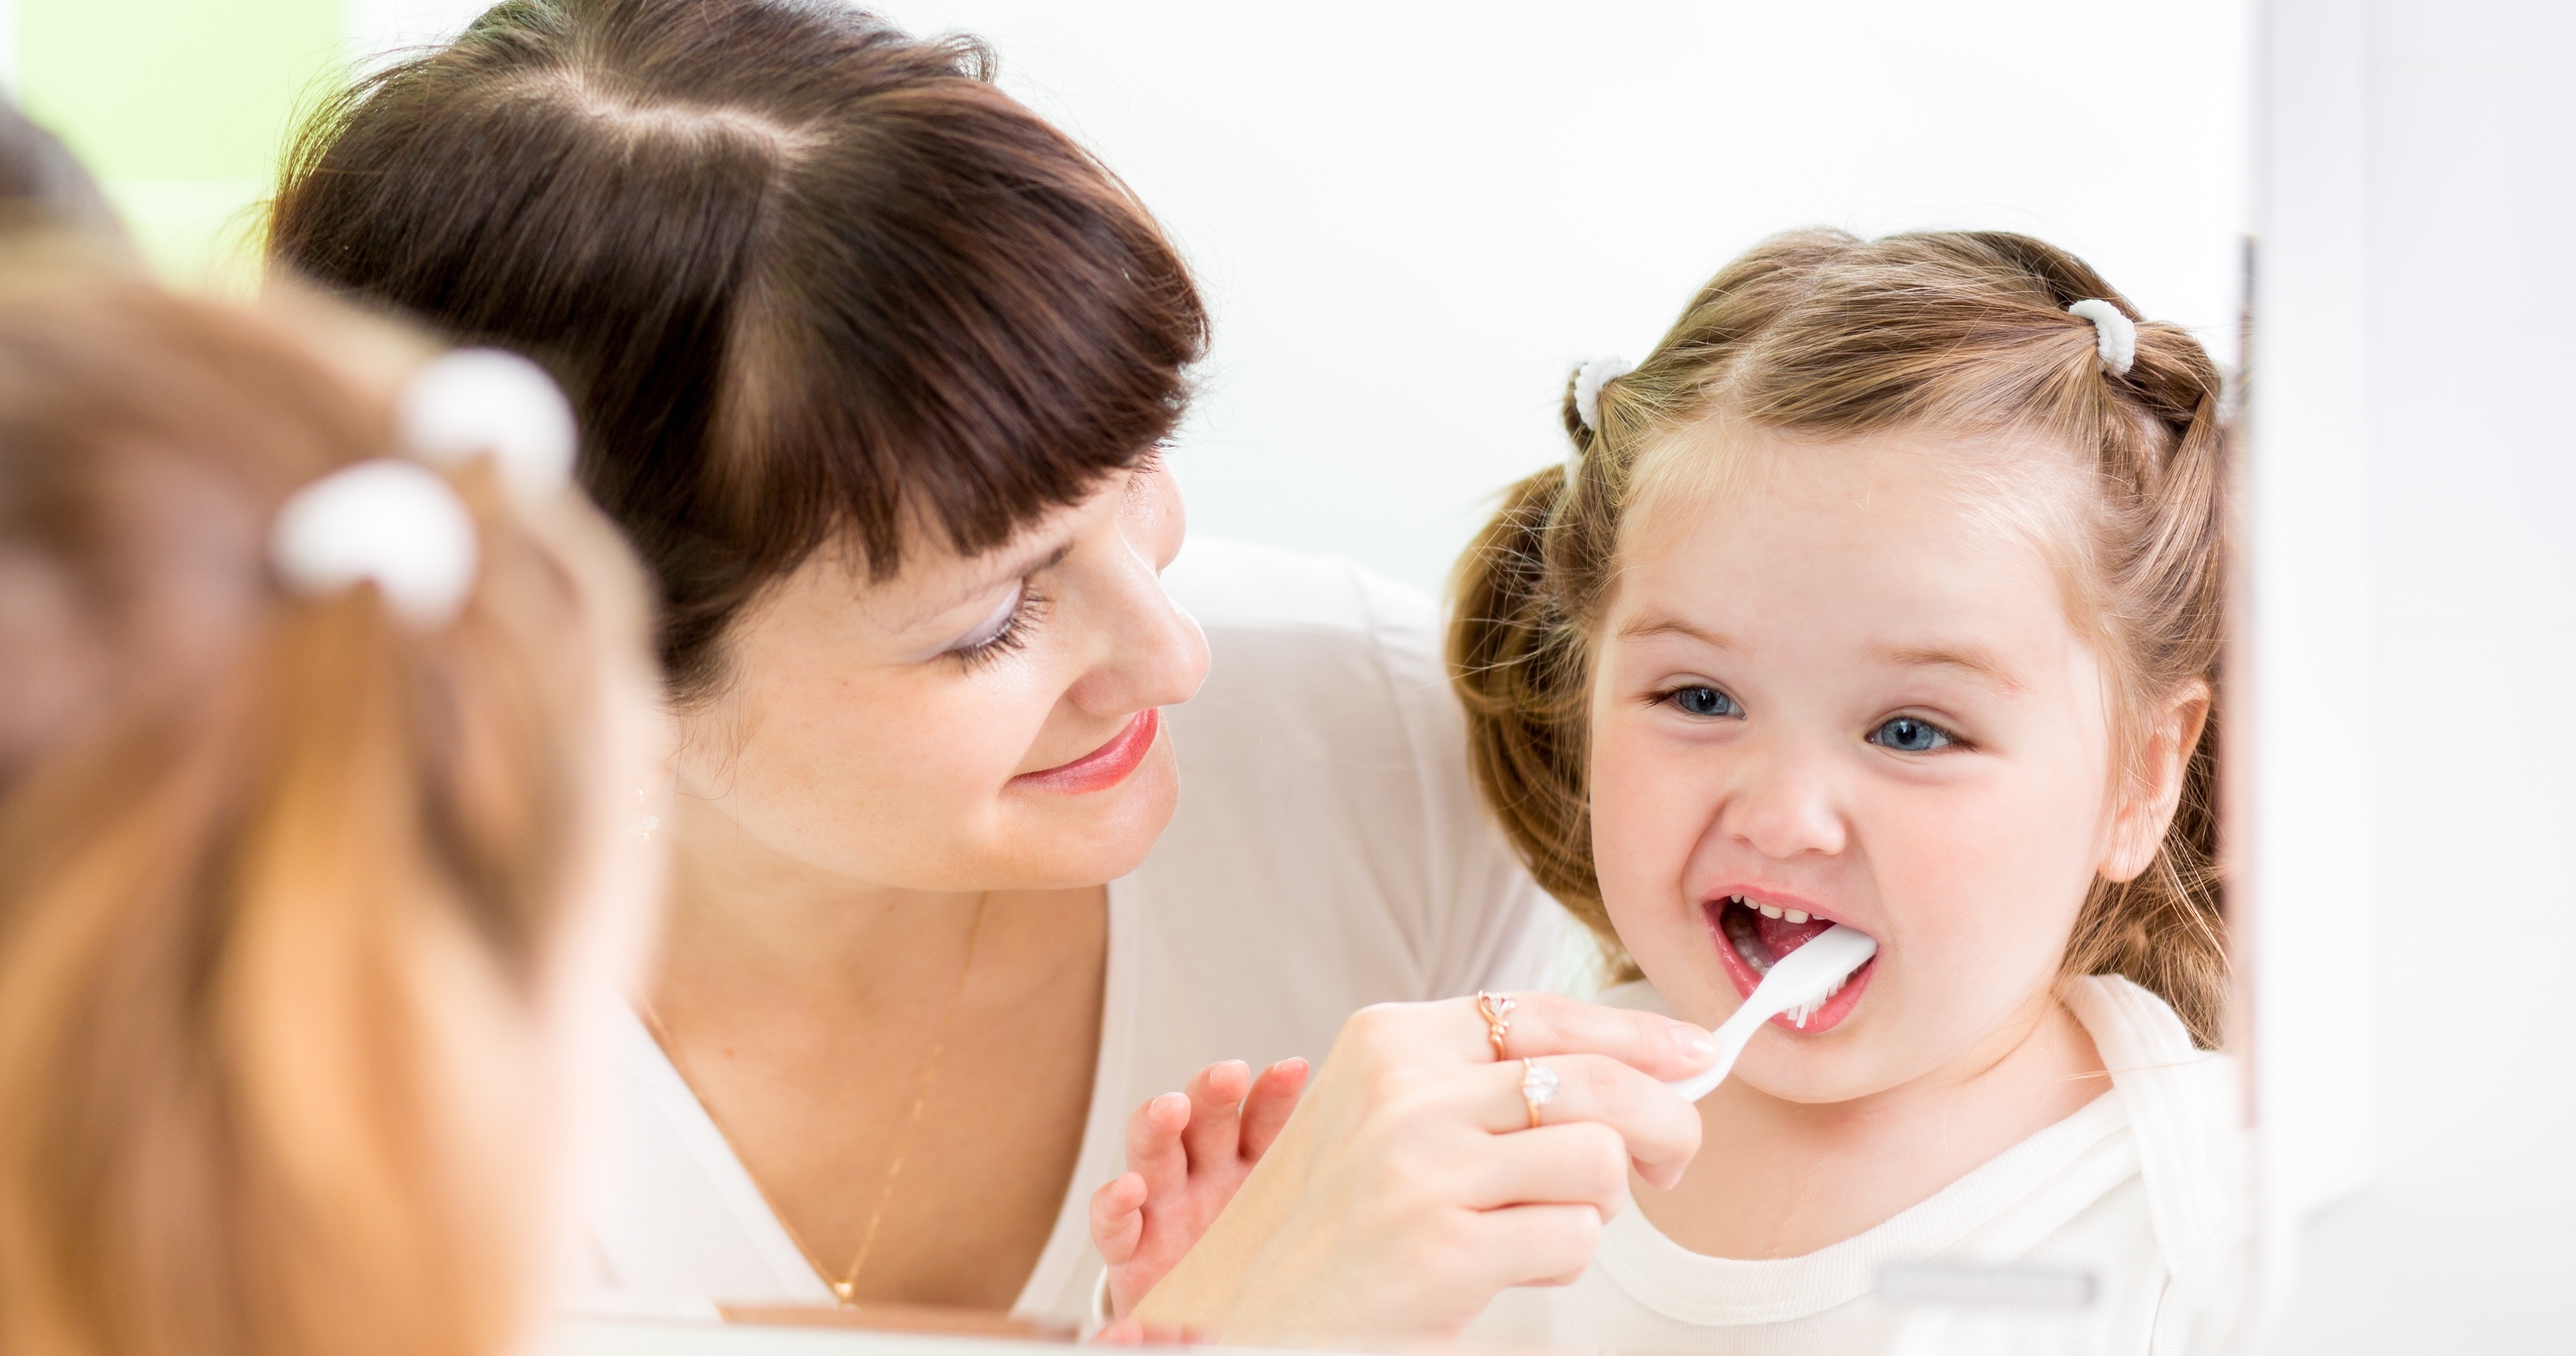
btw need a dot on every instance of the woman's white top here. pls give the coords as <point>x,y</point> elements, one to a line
<point>2119,1229</point>
<point>1328,853</point>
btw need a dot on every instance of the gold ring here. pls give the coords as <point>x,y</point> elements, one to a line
<point>1538,1087</point>
<point>1496,1009</point>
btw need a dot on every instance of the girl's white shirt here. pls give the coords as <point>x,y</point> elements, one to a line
<point>1328,853</point>
<point>2142,1190</point>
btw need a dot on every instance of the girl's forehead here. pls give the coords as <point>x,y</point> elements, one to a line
<point>1724,476</point>
<point>1912,518</point>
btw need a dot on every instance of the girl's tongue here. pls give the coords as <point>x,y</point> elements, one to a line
<point>1779,936</point>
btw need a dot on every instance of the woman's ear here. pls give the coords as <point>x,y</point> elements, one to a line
<point>2155,787</point>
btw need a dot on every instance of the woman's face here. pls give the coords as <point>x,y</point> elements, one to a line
<point>1834,691</point>
<point>971,724</point>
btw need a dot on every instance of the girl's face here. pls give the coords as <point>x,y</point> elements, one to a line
<point>1834,691</point>
<point>971,724</point>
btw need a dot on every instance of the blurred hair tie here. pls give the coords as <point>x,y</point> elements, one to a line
<point>396,524</point>
<point>1588,381</point>
<point>1594,374</point>
<point>2115,336</point>
<point>484,400</point>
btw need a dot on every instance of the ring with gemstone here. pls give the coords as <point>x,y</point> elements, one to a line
<point>1538,1087</point>
<point>1496,1009</point>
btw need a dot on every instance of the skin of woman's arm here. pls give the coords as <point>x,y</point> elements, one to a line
<point>1409,1189</point>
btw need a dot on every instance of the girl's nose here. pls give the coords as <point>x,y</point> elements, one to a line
<point>1783,806</point>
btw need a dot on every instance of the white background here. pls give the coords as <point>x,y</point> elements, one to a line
<point>1412,219</point>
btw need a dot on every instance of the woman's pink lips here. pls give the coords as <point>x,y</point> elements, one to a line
<point>1742,976</point>
<point>1103,767</point>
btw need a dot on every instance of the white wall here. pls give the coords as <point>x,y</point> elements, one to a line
<point>2465,125</point>
<point>1412,219</point>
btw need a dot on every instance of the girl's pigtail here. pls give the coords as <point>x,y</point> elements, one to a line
<point>2166,929</point>
<point>1518,667</point>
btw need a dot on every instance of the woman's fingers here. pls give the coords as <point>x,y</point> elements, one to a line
<point>1582,1163</point>
<point>1530,1244</point>
<point>1660,1129</point>
<point>1552,1024</point>
<point>1216,1096</point>
<point>1266,1109</point>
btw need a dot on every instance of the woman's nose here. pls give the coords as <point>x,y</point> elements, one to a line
<point>1782,805</point>
<point>1156,654</point>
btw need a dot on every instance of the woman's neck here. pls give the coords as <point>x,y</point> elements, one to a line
<point>846,1036</point>
<point>749,926</point>
<point>1776,1178</point>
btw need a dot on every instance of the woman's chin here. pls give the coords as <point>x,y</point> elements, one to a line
<point>1098,836</point>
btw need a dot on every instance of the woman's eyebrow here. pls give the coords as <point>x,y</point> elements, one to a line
<point>1974,659</point>
<point>1021,566</point>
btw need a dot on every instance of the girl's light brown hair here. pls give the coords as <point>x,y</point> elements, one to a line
<point>280,878</point>
<point>1820,333</point>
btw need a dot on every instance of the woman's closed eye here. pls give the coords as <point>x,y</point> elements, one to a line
<point>1700,700</point>
<point>1911,734</point>
<point>1004,631</point>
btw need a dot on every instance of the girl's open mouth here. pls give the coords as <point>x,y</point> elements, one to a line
<point>1753,933</point>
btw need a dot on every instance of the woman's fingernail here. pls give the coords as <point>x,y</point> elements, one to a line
<point>1693,1043</point>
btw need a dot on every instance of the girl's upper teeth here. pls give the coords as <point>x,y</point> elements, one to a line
<point>1771,911</point>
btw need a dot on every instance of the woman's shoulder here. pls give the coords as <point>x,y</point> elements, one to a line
<point>1316,661</point>
<point>1237,587</point>
<point>1324,769</point>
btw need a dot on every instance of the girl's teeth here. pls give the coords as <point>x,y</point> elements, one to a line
<point>1797,915</point>
<point>1769,912</point>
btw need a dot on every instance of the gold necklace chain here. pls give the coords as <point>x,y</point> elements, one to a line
<point>845,1290</point>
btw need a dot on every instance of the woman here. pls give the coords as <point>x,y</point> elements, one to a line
<point>872,365</point>
<point>315,781</point>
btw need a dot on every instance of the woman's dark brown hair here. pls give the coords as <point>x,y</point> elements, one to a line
<point>1820,333</point>
<point>283,879</point>
<point>806,278</point>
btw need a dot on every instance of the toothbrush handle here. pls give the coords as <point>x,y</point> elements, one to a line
<point>1730,1038</point>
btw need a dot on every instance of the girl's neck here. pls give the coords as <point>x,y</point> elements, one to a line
<point>1776,1178</point>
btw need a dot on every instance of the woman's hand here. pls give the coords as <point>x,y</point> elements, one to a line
<point>1187,1154</point>
<point>1409,1187</point>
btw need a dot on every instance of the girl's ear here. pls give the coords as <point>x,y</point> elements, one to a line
<point>2156,786</point>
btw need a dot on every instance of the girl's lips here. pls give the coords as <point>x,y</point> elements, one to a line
<point>1776,938</point>
<point>1103,767</point>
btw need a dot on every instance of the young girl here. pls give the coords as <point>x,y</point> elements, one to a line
<point>1885,593</point>
<point>317,812</point>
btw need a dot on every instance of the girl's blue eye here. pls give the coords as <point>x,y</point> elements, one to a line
<point>1905,734</point>
<point>1704,701</point>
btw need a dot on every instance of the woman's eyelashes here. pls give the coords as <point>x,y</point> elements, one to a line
<point>1912,734</point>
<point>1006,630</point>
<point>1701,701</point>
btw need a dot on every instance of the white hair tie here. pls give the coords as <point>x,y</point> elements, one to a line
<point>395,523</point>
<point>480,400</point>
<point>1588,381</point>
<point>2115,335</point>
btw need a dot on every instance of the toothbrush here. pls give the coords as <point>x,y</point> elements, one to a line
<point>1799,982</point>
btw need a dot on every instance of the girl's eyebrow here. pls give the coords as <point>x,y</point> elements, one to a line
<point>1975,659</point>
<point>1663,624</point>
